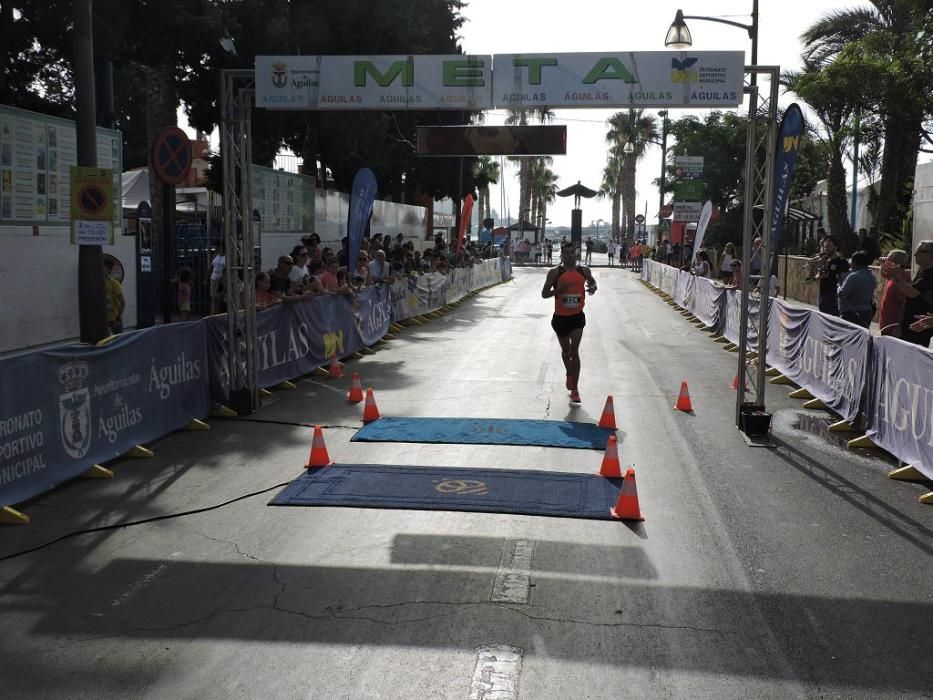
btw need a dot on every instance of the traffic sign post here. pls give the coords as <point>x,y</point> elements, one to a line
<point>171,161</point>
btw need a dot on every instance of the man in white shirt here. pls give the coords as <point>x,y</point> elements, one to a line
<point>380,270</point>
<point>611,250</point>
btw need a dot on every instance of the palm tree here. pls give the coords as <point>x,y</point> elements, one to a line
<point>638,129</point>
<point>885,47</point>
<point>544,190</point>
<point>519,117</point>
<point>610,187</point>
<point>485,172</point>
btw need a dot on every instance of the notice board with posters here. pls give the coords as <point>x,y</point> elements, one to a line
<point>285,201</point>
<point>36,155</point>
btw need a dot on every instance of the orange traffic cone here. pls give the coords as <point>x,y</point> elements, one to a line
<point>318,456</point>
<point>627,507</point>
<point>356,389</point>
<point>735,383</point>
<point>335,372</point>
<point>370,412</point>
<point>610,467</point>
<point>683,401</point>
<point>608,419</point>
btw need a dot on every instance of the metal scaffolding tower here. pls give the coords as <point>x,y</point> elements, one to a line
<point>236,94</point>
<point>759,187</point>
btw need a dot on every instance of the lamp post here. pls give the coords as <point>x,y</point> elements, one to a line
<point>678,35</point>
<point>663,114</point>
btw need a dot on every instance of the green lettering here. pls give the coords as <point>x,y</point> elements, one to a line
<point>608,69</point>
<point>404,68</point>
<point>534,67</point>
<point>468,73</point>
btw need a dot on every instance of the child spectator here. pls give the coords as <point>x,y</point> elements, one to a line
<point>184,293</point>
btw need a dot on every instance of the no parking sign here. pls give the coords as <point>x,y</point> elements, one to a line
<point>91,205</point>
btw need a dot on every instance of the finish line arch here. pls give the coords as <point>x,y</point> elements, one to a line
<point>651,79</point>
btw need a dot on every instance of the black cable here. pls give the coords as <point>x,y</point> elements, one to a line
<point>286,422</point>
<point>116,526</point>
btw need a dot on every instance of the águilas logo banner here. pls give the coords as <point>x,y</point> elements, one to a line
<point>785,163</point>
<point>74,407</point>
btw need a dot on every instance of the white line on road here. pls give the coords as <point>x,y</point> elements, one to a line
<point>513,579</point>
<point>497,672</point>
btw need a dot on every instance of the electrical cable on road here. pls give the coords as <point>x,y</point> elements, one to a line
<point>154,519</point>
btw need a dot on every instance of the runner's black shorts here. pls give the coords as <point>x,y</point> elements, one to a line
<point>563,325</point>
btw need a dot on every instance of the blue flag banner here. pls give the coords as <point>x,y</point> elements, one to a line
<point>66,409</point>
<point>362,195</point>
<point>785,163</point>
<point>900,401</point>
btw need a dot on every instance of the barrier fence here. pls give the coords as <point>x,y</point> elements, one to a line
<point>66,409</point>
<point>852,372</point>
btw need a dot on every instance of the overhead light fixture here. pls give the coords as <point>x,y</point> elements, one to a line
<point>628,148</point>
<point>678,36</point>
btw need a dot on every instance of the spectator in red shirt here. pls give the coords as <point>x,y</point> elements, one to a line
<point>891,308</point>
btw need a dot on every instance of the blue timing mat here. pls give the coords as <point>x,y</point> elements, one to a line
<point>485,431</point>
<point>558,494</point>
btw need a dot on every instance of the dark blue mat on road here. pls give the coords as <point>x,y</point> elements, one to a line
<point>485,431</point>
<point>557,494</point>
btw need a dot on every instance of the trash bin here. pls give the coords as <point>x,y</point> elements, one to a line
<point>754,421</point>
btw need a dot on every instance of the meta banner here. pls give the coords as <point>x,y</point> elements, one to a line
<point>373,82</point>
<point>69,408</point>
<point>634,79</point>
<point>900,401</point>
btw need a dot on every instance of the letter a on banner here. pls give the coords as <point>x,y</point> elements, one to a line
<point>361,206</point>
<point>785,162</point>
<point>464,220</point>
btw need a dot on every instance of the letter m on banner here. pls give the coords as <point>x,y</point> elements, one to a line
<point>406,69</point>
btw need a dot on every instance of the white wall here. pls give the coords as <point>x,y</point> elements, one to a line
<point>39,285</point>
<point>923,204</point>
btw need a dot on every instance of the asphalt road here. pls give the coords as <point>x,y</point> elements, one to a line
<point>795,572</point>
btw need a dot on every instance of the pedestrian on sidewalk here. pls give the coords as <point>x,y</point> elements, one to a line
<point>857,292</point>
<point>611,251</point>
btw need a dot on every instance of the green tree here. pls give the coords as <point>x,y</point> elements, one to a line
<point>485,173</point>
<point>883,53</point>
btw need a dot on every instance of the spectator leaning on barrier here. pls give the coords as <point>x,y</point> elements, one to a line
<point>857,292</point>
<point>701,266</point>
<point>298,275</point>
<point>264,297</point>
<point>280,276</point>
<point>736,279</point>
<point>113,294</point>
<point>919,294</point>
<point>725,262</point>
<point>891,308</point>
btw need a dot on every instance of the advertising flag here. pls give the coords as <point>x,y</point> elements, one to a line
<point>705,214</point>
<point>785,162</point>
<point>362,196</point>
<point>464,220</point>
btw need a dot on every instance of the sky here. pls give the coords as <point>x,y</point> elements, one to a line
<point>523,26</point>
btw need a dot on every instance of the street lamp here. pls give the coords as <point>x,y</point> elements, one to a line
<point>678,35</point>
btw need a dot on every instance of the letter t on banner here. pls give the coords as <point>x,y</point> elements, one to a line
<point>464,220</point>
<point>362,196</point>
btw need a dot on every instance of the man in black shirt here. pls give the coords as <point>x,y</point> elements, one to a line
<point>831,271</point>
<point>919,294</point>
<point>868,244</point>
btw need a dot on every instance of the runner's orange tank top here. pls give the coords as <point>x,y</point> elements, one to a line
<point>569,301</point>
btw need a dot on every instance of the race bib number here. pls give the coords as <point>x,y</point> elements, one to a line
<point>571,301</point>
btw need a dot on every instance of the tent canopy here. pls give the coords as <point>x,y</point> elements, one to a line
<point>523,226</point>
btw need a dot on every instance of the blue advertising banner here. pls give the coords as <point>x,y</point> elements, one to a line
<point>785,163</point>
<point>900,401</point>
<point>362,195</point>
<point>65,409</point>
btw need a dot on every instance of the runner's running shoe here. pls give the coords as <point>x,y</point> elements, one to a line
<point>575,396</point>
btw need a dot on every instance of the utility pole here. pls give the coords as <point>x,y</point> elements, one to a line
<point>92,302</point>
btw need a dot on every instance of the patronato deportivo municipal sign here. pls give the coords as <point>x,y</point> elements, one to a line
<point>517,81</point>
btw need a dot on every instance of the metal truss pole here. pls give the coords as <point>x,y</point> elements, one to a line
<point>236,96</point>
<point>759,187</point>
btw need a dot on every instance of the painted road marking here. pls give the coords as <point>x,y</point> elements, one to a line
<point>513,578</point>
<point>496,674</point>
